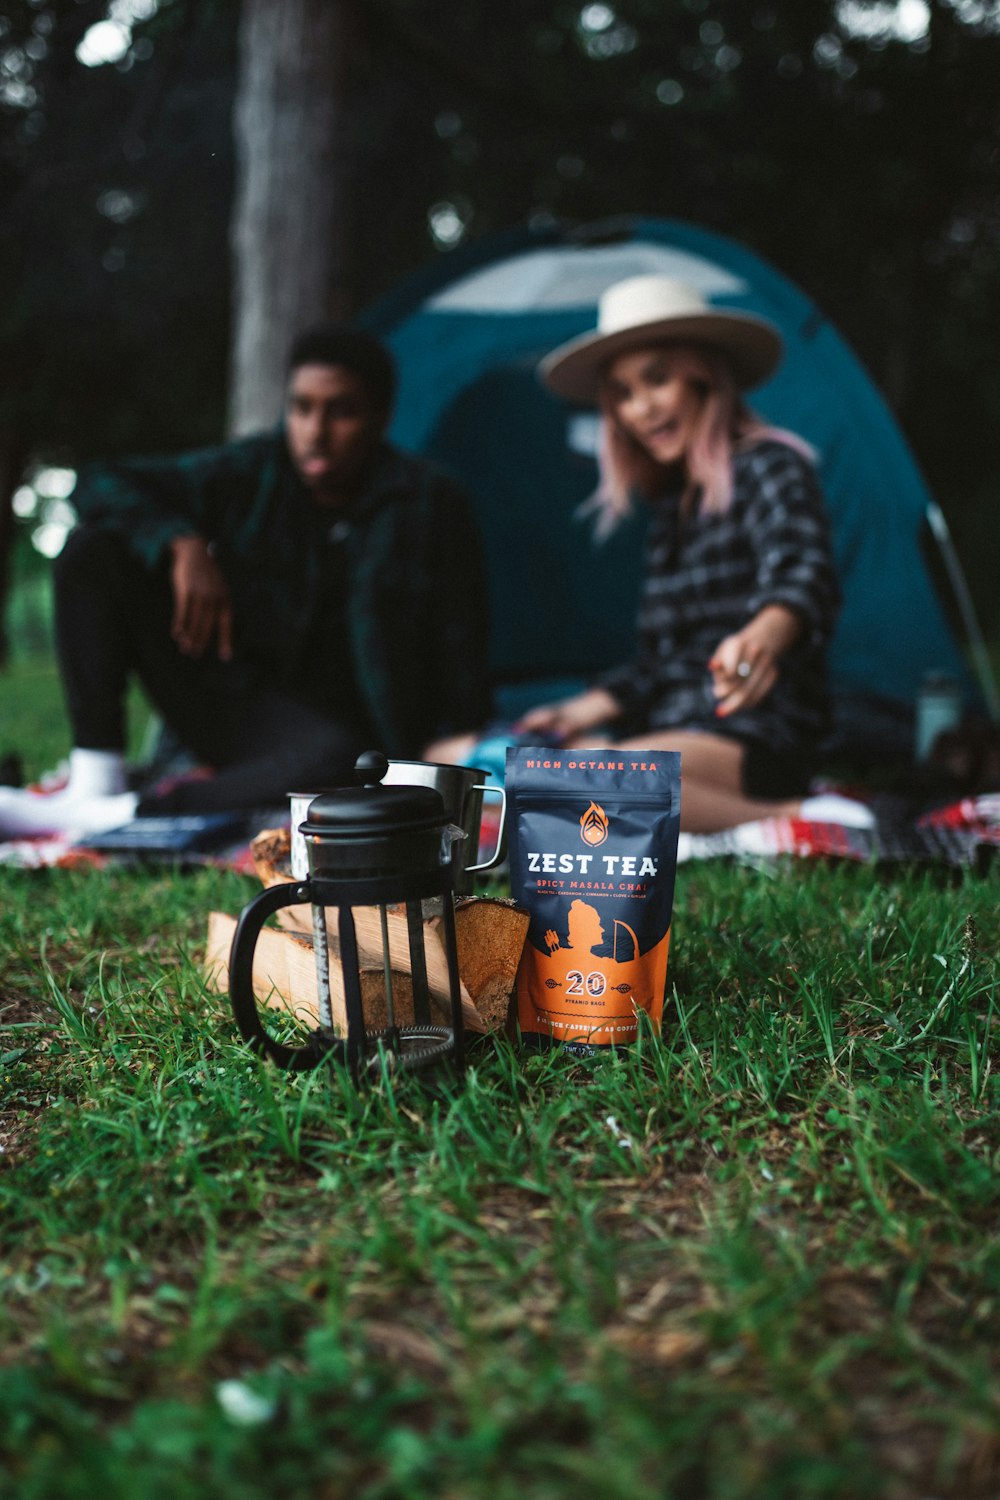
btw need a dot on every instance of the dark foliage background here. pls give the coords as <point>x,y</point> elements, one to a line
<point>863,166</point>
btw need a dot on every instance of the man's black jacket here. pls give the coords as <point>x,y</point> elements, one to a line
<point>416,590</point>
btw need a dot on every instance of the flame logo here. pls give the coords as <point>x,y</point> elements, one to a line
<point>594,825</point>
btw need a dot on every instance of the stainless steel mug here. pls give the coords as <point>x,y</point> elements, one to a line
<point>299,804</point>
<point>462,790</point>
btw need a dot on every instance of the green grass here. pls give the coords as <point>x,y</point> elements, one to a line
<point>776,1273</point>
<point>33,719</point>
<point>756,1259</point>
<point>29,607</point>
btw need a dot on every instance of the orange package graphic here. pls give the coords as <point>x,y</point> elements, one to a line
<point>593,859</point>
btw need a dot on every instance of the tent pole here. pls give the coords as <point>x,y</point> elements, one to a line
<point>977,646</point>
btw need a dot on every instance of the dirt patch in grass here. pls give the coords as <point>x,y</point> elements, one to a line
<point>26,1028</point>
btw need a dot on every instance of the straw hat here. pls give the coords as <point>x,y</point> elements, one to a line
<point>650,310</point>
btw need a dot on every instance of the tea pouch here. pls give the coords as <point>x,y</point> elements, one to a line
<point>593,859</point>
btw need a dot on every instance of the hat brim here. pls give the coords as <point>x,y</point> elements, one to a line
<point>754,347</point>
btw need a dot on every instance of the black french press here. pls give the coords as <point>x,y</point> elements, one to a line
<point>367,845</point>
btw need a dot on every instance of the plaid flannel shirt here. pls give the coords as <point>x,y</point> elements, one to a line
<point>708,575</point>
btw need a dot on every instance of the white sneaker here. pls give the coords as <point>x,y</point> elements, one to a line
<point>25,814</point>
<point>830,807</point>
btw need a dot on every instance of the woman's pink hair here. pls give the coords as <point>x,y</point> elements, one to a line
<point>725,425</point>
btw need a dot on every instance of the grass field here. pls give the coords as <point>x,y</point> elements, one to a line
<point>756,1259</point>
<point>33,719</point>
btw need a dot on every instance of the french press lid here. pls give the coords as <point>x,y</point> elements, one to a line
<point>372,810</point>
<point>373,830</point>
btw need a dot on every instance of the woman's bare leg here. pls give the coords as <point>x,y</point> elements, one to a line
<point>453,751</point>
<point>712,797</point>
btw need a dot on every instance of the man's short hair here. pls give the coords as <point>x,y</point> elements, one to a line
<point>356,350</point>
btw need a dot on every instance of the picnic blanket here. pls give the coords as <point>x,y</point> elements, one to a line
<point>963,833</point>
<point>56,851</point>
<point>219,838</point>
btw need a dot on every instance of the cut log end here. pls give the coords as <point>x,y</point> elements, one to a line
<point>490,934</point>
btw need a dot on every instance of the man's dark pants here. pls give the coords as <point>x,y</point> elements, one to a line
<point>113,618</point>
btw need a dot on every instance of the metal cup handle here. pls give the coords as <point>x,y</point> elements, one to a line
<point>501,848</point>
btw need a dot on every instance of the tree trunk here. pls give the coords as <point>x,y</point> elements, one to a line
<point>292,242</point>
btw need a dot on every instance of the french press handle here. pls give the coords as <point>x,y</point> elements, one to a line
<point>241,995</point>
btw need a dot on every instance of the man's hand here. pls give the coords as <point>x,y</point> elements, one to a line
<point>744,667</point>
<point>202,605</point>
<point>560,723</point>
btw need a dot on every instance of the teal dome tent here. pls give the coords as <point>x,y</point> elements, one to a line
<point>468,334</point>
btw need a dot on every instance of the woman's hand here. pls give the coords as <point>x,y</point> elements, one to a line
<point>560,723</point>
<point>202,604</point>
<point>744,667</point>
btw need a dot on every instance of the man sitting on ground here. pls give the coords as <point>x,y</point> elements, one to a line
<point>287,600</point>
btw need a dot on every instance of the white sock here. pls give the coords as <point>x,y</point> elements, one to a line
<point>96,773</point>
<point>830,807</point>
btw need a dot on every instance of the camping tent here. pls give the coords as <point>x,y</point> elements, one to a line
<point>468,334</point>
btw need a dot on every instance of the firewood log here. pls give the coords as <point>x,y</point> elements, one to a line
<point>490,934</point>
<point>284,978</point>
<point>271,852</point>
<point>270,856</point>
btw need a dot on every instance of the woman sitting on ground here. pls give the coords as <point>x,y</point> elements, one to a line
<point>739,595</point>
